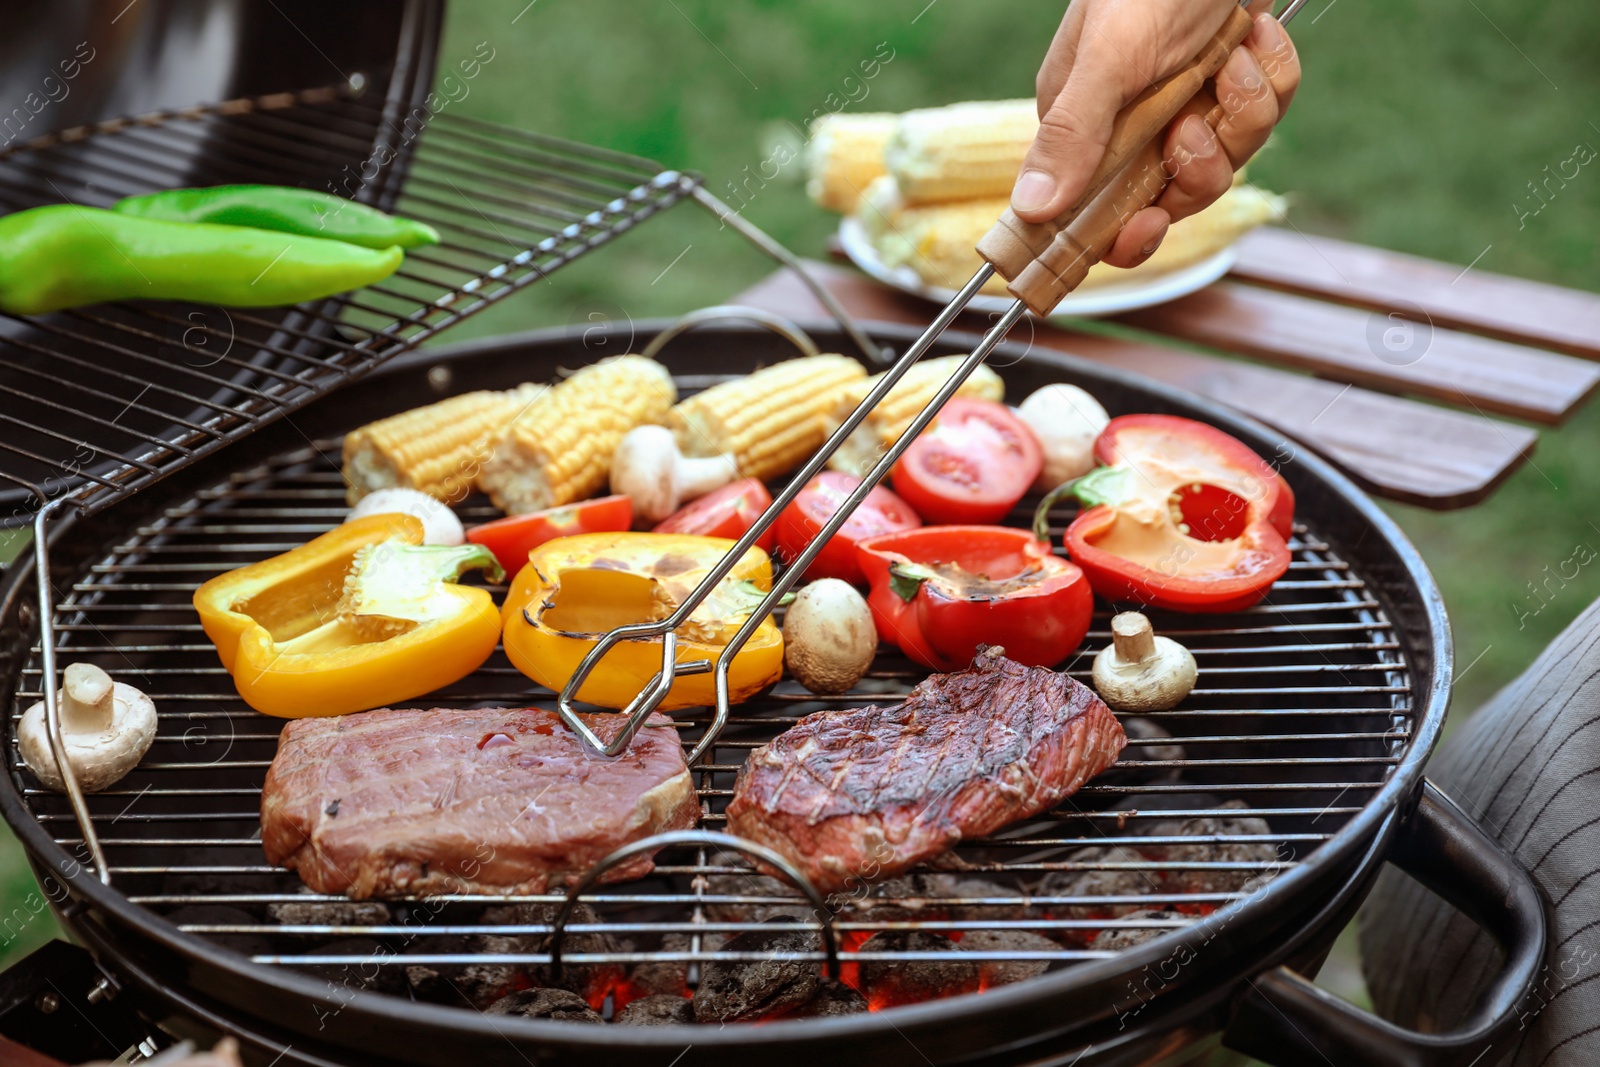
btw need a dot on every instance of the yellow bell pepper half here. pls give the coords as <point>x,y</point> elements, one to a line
<point>363,616</point>
<point>575,589</point>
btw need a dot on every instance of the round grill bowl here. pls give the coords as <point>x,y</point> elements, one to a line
<point>1318,709</point>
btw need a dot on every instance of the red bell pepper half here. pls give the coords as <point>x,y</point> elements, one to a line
<point>513,537</point>
<point>941,592</point>
<point>1182,516</point>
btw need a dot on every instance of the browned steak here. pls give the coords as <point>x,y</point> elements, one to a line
<point>494,800</point>
<point>860,795</point>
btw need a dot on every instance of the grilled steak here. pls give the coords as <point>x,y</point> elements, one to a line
<point>860,795</point>
<point>493,800</point>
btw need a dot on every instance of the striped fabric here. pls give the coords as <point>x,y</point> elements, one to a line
<point>1527,766</point>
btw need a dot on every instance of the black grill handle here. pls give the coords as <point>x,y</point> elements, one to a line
<point>1283,1019</point>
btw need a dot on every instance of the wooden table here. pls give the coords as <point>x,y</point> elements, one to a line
<point>1293,337</point>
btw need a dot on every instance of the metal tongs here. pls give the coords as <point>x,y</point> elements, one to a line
<point>1042,263</point>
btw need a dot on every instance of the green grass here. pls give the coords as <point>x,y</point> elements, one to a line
<point>1418,127</point>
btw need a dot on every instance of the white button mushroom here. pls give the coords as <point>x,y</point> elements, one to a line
<point>439,524</point>
<point>829,637</point>
<point>107,727</point>
<point>1139,671</point>
<point>648,468</point>
<point>1066,420</point>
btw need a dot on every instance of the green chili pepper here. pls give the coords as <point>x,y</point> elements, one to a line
<point>281,208</point>
<point>64,256</point>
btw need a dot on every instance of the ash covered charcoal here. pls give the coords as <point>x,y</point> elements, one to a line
<point>371,975</point>
<point>1213,881</point>
<point>1148,730</point>
<point>224,915</point>
<point>657,1010</point>
<point>478,984</point>
<point>1097,883</point>
<point>939,885</point>
<point>1118,938</point>
<point>896,900</point>
<point>742,990</point>
<point>832,998</point>
<point>887,983</point>
<point>331,913</point>
<point>545,1004</point>
<point>790,901</point>
<point>914,896</point>
<point>1004,972</point>
<point>588,980</point>
<point>671,977</point>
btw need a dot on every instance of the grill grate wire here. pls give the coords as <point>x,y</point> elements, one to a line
<point>1303,710</point>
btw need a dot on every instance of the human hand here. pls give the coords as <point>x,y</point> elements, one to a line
<point>1107,52</point>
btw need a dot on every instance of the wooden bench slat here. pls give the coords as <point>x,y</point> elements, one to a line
<point>1394,447</point>
<point>1514,309</point>
<point>1342,342</point>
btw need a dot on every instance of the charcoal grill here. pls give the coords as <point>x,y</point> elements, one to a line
<point>1316,709</point>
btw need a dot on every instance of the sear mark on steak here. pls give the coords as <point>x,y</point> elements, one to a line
<point>858,795</point>
<point>424,810</point>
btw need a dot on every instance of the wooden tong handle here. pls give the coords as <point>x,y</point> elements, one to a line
<point>1013,244</point>
<point>1065,264</point>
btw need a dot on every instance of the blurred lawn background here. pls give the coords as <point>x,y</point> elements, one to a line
<point>1419,127</point>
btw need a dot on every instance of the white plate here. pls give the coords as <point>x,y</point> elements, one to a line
<point>1101,300</point>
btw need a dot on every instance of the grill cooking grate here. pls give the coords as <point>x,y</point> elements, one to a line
<point>99,402</point>
<point>1302,712</point>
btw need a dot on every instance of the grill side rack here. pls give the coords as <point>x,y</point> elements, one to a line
<point>99,402</point>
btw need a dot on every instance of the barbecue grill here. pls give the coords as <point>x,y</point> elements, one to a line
<point>1316,710</point>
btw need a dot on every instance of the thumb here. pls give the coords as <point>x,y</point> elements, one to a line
<point>1071,140</point>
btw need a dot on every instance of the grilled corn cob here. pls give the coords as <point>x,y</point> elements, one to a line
<point>769,421</point>
<point>937,241</point>
<point>880,204</point>
<point>559,448</point>
<point>961,152</point>
<point>435,449</point>
<point>844,154</point>
<point>886,422</point>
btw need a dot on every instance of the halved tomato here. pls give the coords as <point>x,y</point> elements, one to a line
<point>726,512</point>
<point>881,512</point>
<point>513,537</point>
<point>971,466</point>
